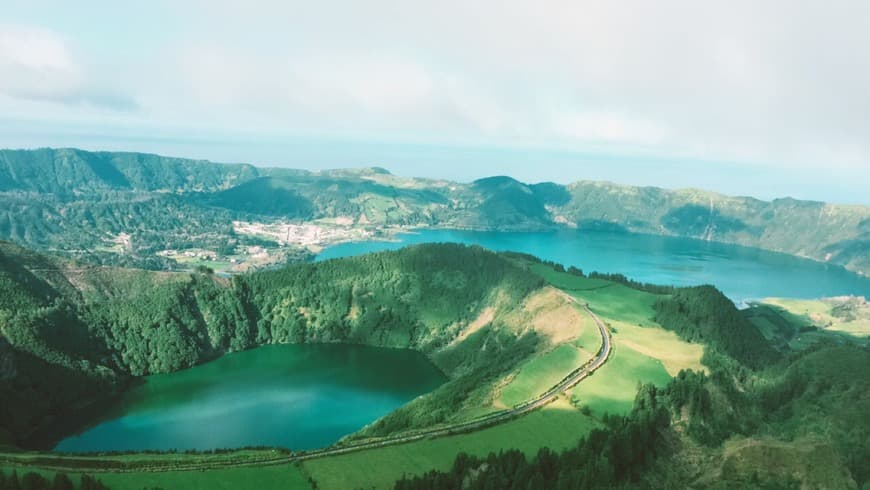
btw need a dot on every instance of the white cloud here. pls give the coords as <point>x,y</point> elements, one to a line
<point>759,82</point>
<point>780,83</point>
<point>610,128</point>
<point>36,63</point>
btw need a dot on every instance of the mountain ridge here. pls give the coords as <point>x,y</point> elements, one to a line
<point>43,191</point>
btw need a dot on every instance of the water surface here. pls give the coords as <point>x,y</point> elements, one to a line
<point>742,273</point>
<point>294,396</point>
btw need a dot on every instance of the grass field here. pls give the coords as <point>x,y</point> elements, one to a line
<point>848,315</point>
<point>607,299</point>
<point>800,324</point>
<point>565,281</point>
<point>558,426</point>
<point>674,353</point>
<point>643,351</point>
<point>542,373</point>
<point>589,340</point>
<point>621,303</point>
<point>288,476</point>
<point>612,388</point>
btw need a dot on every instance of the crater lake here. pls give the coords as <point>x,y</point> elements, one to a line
<point>299,396</point>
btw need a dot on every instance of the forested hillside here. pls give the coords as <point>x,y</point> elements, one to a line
<point>703,314</point>
<point>760,418</point>
<point>765,413</point>
<point>124,208</point>
<point>72,334</point>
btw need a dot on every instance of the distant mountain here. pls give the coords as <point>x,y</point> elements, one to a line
<point>68,200</point>
<point>70,171</point>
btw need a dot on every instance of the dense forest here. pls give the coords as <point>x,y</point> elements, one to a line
<point>73,334</point>
<point>703,314</point>
<point>74,202</point>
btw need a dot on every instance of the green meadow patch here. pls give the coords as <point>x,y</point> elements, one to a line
<point>847,314</point>
<point>612,388</point>
<point>558,426</point>
<point>606,298</point>
<point>566,281</point>
<point>664,345</point>
<point>542,373</point>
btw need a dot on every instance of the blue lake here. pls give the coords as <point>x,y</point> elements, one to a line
<point>740,272</point>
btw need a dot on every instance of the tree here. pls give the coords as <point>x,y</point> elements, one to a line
<point>62,482</point>
<point>90,483</point>
<point>34,481</point>
<point>12,483</point>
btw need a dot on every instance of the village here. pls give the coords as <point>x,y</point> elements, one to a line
<point>292,243</point>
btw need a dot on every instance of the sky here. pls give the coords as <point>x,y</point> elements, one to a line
<point>768,98</point>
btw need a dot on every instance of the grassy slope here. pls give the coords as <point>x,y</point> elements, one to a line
<point>674,353</point>
<point>542,372</point>
<point>792,324</point>
<point>612,389</point>
<point>643,352</point>
<point>557,427</point>
<point>853,317</point>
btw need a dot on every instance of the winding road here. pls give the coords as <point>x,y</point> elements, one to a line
<point>96,464</point>
<point>548,397</point>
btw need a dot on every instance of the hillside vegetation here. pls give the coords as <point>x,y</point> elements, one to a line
<point>124,208</point>
<point>759,417</point>
<point>71,333</point>
<point>695,393</point>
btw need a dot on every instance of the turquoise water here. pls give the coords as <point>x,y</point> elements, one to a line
<point>741,273</point>
<point>294,396</point>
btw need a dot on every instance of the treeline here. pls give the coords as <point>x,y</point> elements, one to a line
<point>618,278</point>
<point>703,314</point>
<point>395,299</point>
<point>35,481</point>
<point>642,286</point>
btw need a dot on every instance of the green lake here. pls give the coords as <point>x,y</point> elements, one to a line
<point>294,396</point>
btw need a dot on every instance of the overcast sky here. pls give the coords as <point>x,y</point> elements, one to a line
<point>755,97</point>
